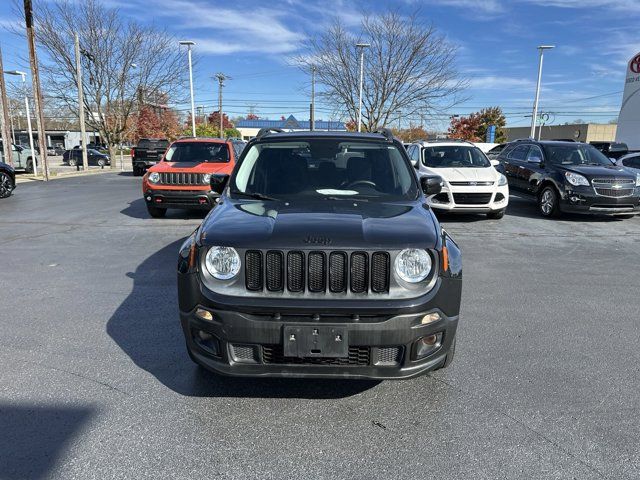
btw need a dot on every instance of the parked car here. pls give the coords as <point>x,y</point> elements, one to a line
<point>7,180</point>
<point>612,149</point>
<point>471,183</point>
<point>495,151</point>
<point>181,178</point>
<point>21,156</point>
<point>74,157</point>
<point>321,259</point>
<point>147,153</point>
<point>570,177</point>
<point>238,146</point>
<point>631,161</point>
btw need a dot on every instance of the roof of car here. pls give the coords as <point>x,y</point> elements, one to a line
<point>548,142</point>
<point>324,134</point>
<point>445,142</point>
<point>200,139</point>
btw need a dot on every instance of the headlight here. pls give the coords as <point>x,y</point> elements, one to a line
<point>637,179</point>
<point>503,181</point>
<point>576,179</point>
<point>413,265</point>
<point>154,177</point>
<point>222,263</point>
<point>206,178</point>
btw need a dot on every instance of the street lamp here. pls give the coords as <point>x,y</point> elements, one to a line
<point>26,104</point>
<point>189,44</point>
<point>361,46</point>
<point>542,48</point>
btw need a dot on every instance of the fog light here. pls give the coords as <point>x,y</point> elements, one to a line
<point>207,342</point>
<point>204,314</point>
<point>158,200</point>
<point>427,345</point>
<point>574,199</point>
<point>148,198</point>
<point>430,318</point>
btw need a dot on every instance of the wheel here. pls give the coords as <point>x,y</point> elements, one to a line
<point>102,162</point>
<point>548,202</point>
<point>6,185</point>
<point>29,168</point>
<point>497,215</point>
<point>72,162</point>
<point>137,171</point>
<point>156,212</point>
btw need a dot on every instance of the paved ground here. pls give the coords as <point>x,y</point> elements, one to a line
<point>57,168</point>
<point>95,381</point>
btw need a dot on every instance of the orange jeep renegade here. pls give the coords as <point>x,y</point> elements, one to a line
<point>182,178</point>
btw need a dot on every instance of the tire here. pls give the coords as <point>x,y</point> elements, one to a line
<point>156,212</point>
<point>29,168</point>
<point>72,162</point>
<point>138,172</point>
<point>497,215</point>
<point>102,162</point>
<point>548,202</point>
<point>6,185</point>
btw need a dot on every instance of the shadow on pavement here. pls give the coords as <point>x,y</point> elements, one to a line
<point>524,206</point>
<point>138,209</point>
<point>32,438</point>
<point>146,327</point>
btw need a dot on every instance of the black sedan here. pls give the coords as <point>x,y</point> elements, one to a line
<point>74,157</point>
<point>7,180</point>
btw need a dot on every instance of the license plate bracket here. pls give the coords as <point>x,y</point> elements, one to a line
<point>315,341</point>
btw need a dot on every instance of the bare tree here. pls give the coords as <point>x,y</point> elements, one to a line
<point>410,68</point>
<point>122,61</point>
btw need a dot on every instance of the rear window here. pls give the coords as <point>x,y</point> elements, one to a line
<point>157,144</point>
<point>198,152</point>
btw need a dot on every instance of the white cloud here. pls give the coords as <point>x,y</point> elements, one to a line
<point>493,82</point>
<point>627,6</point>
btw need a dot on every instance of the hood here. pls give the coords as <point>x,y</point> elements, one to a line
<point>486,174</point>
<point>325,224</point>
<point>203,167</point>
<point>597,170</point>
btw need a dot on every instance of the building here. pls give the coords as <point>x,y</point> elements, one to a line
<point>580,132</point>
<point>250,128</point>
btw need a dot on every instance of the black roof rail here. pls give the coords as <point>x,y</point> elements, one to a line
<point>266,131</point>
<point>386,133</point>
<point>523,140</point>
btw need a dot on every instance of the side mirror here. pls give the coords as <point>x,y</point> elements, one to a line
<point>431,185</point>
<point>534,160</point>
<point>494,162</point>
<point>19,148</point>
<point>218,182</point>
<point>415,164</point>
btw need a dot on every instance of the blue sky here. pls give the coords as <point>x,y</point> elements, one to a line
<point>253,43</point>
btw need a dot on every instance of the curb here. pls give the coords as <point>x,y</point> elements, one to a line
<point>58,176</point>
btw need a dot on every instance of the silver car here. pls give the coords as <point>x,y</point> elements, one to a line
<point>21,156</point>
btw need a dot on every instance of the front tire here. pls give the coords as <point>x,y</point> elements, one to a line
<point>138,172</point>
<point>72,162</point>
<point>497,215</point>
<point>548,202</point>
<point>29,168</point>
<point>102,162</point>
<point>156,212</point>
<point>6,185</point>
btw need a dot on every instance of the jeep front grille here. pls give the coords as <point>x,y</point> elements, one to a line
<point>614,187</point>
<point>181,178</point>
<point>274,354</point>
<point>317,271</point>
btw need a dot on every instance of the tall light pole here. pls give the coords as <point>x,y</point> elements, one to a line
<point>83,130</point>
<point>28,110</point>
<point>189,44</point>
<point>361,46</point>
<point>541,48</point>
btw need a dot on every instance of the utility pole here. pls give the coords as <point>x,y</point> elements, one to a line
<point>6,140</point>
<point>312,119</point>
<point>221,78</point>
<point>534,117</point>
<point>37,92</point>
<point>83,132</point>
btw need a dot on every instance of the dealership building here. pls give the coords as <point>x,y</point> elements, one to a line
<point>580,132</point>
<point>250,128</point>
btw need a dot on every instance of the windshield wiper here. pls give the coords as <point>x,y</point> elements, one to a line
<point>257,196</point>
<point>341,197</point>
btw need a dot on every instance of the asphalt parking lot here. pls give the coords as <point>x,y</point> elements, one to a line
<point>96,383</point>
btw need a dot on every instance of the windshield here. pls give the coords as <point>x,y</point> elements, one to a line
<point>454,156</point>
<point>578,154</point>
<point>325,168</point>
<point>198,152</point>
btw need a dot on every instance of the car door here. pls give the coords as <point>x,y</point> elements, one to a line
<point>19,160</point>
<point>514,164</point>
<point>532,170</point>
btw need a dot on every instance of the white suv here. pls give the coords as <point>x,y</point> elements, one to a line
<point>471,183</point>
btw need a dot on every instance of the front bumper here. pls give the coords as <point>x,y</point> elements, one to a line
<point>252,345</point>
<point>184,199</point>
<point>584,200</point>
<point>496,198</point>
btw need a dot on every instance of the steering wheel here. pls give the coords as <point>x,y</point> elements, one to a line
<point>362,182</point>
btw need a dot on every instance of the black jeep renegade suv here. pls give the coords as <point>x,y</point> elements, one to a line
<point>321,259</point>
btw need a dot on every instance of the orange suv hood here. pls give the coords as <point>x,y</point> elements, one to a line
<point>204,167</point>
